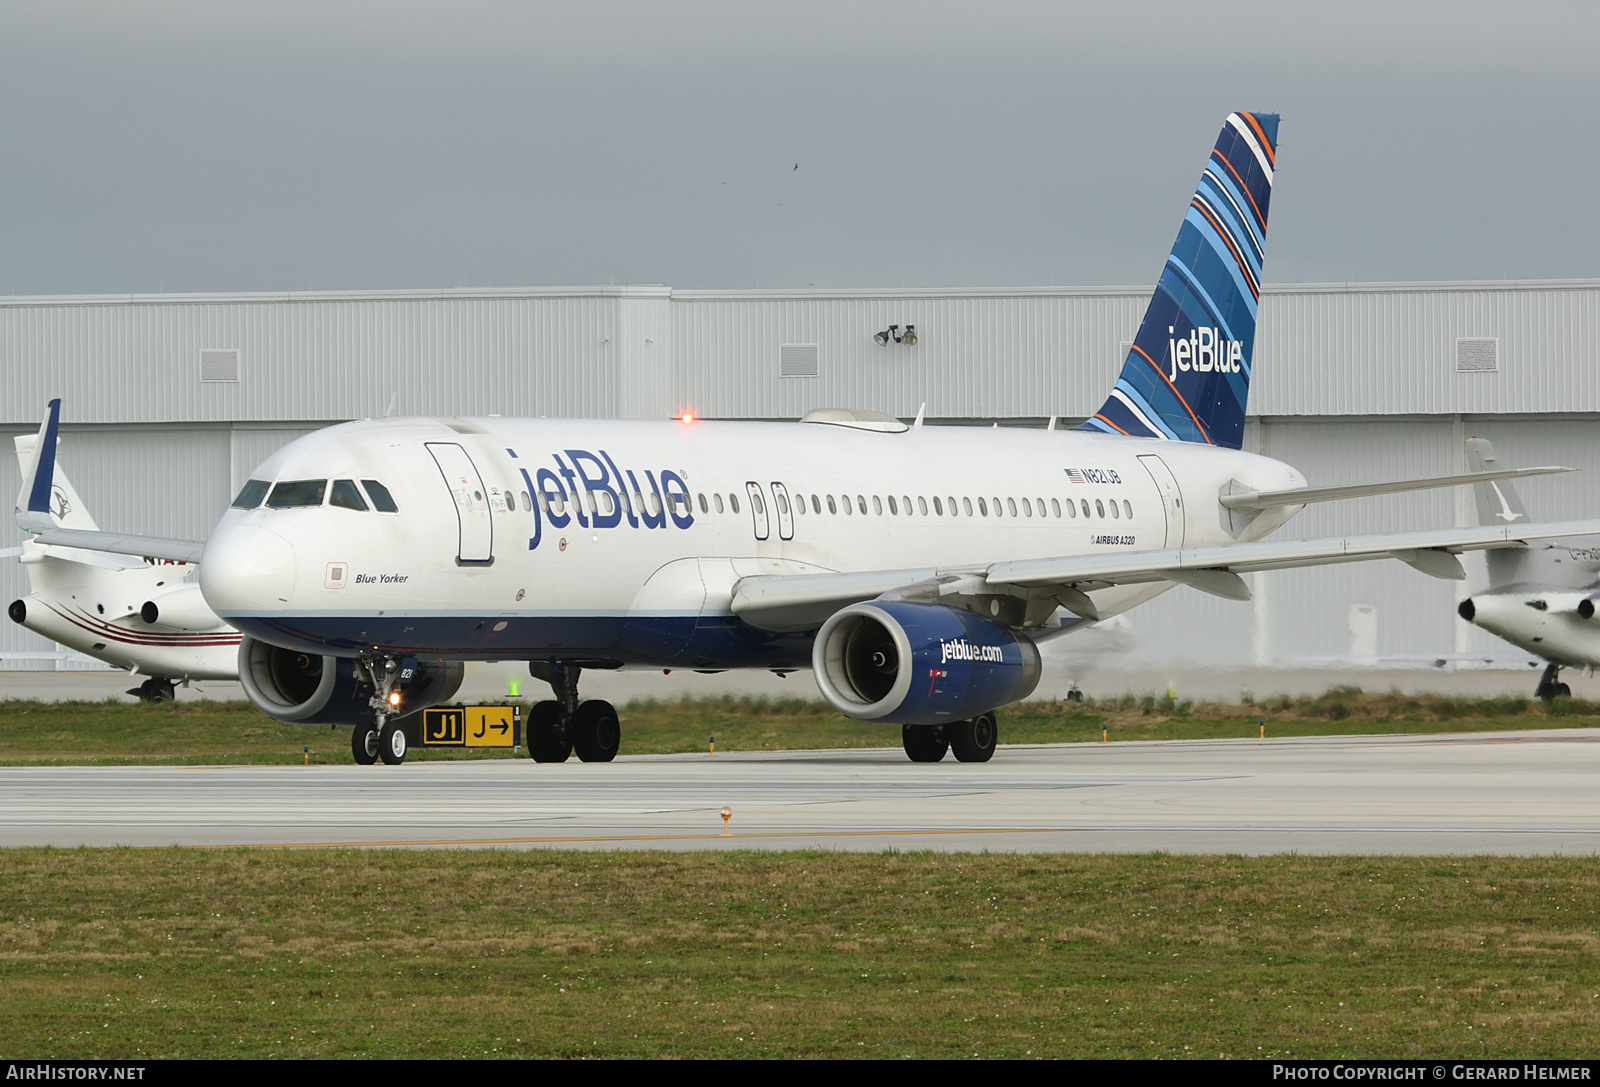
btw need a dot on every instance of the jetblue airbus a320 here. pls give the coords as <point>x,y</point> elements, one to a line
<point>915,569</point>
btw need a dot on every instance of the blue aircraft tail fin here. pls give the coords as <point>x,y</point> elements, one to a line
<point>1187,376</point>
<point>38,480</point>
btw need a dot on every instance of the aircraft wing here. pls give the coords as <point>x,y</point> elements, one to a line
<point>119,543</point>
<point>793,602</point>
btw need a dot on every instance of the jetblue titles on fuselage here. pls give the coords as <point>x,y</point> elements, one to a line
<point>593,480</point>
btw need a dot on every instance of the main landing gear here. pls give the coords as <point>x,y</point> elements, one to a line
<point>972,741</point>
<point>1550,685</point>
<point>384,737</point>
<point>555,729</point>
<point>155,689</point>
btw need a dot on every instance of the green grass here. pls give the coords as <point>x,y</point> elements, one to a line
<point>200,733</point>
<point>131,954</point>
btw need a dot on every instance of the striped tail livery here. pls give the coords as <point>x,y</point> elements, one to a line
<point>1187,376</point>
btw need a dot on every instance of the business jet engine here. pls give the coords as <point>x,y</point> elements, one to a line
<point>312,689</point>
<point>904,663</point>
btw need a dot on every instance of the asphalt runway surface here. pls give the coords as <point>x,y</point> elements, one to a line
<point>1473,793</point>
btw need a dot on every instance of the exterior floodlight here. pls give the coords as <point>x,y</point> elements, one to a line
<point>893,332</point>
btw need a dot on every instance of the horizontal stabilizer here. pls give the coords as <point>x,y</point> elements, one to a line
<point>1296,496</point>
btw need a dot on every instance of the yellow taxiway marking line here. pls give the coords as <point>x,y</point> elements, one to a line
<point>623,838</point>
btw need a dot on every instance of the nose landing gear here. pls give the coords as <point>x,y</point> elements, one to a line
<point>383,737</point>
<point>558,728</point>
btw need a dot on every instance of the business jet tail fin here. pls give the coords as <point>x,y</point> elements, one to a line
<point>48,499</point>
<point>49,506</point>
<point>1498,503</point>
<point>1187,375</point>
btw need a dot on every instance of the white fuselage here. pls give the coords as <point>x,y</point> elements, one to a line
<point>97,612</point>
<point>1544,620</point>
<point>512,538</point>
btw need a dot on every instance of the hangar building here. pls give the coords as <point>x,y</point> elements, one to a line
<point>169,401</point>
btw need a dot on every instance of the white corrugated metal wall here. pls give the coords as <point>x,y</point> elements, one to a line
<point>1353,382</point>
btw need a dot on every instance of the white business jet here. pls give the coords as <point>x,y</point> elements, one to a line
<point>1539,598</point>
<point>915,569</point>
<point>143,615</point>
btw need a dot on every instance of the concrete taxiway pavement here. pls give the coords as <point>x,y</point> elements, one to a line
<point>1504,793</point>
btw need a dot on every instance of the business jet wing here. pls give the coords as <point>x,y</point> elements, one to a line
<point>121,543</point>
<point>794,602</point>
<point>52,510</point>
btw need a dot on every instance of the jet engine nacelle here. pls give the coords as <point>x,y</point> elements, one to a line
<point>313,689</point>
<point>904,663</point>
<point>181,609</point>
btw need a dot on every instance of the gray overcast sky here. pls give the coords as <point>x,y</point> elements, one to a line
<point>171,146</point>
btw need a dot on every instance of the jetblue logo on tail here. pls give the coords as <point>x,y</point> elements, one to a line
<point>1205,350</point>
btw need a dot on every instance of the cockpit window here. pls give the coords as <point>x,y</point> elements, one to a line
<point>297,492</point>
<point>251,494</point>
<point>345,495</point>
<point>381,501</point>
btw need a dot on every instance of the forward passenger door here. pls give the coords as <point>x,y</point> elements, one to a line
<point>475,524</point>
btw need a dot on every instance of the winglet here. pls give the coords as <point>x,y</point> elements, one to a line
<point>33,503</point>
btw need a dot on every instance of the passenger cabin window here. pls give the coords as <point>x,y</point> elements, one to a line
<point>381,501</point>
<point>251,494</point>
<point>292,494</point>
<point>345,496</point>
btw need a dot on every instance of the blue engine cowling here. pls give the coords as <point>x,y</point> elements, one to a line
<point>311,689</point>
<point>903,663</point>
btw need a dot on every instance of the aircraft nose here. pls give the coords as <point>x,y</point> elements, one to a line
<point>246,570</point>
<point>1467,610</point>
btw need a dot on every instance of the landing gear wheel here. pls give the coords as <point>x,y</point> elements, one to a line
<point>546,743</point>
<point>974,740</point>
<point>155,690</point>
<point>1550,685</point>
<point>923,743</point>
<point>392,743</point>
<point>596,732</point>
<point>364,743</point>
